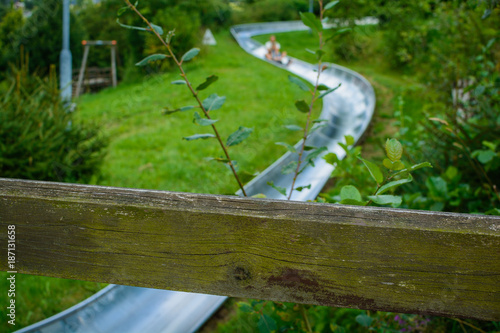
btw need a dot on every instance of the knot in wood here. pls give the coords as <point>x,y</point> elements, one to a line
<point>241,274</point>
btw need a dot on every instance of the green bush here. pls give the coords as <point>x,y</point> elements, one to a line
<point>41,37</point>
<point>38,139</point>
<point>11,23</point>
<point>270,10</point>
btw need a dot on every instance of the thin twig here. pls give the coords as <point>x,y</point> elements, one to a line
<point>306,318</point>
<point>311,105</point>
<point>193,91</point>
<point>461,322</point>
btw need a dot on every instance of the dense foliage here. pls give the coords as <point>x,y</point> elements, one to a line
<point>453,47</point>
<point>38,139</point>
<point>40,35</point>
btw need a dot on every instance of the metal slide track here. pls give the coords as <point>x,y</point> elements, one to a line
<point>124,309</point>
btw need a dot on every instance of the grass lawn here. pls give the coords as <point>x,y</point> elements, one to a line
<point>147,151</point>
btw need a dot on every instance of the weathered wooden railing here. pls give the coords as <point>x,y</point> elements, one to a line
<point>369,258</point>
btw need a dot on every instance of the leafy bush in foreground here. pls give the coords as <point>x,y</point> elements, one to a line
<point>37,137</point>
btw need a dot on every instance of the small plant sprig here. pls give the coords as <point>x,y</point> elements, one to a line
<point>317,93</point>
<point>211,103</point>
<point>397,174</point>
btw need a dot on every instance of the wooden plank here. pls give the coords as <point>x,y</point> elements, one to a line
<point>360,257</point>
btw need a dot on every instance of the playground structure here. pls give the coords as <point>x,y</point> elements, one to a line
<point>94,77</point>
<point>379,263</point>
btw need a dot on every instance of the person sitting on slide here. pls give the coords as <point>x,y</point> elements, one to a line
<point>273,51</point>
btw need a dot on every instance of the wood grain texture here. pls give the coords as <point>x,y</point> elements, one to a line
<point>359,257</point>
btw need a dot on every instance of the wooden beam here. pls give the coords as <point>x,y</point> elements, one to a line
<point>369,258</point>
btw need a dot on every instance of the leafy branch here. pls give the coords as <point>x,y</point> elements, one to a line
<point>213,102</point>
<point>397,174</point>
<point>318,92</point>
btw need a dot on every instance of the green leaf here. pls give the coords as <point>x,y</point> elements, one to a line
<point>349,140</point>
<point>300,188</point>
<point>364,320</point>
<point>121,11</point>
<point>314,154</point>
<point>266,324</point>
<point>237,137</point>
<point>484,156</point>
<point>307,148</point>
<point>199,136</point>
<point>331,158</point>
<point>208,81</point>
<point>410,169</point>
<point>289,168</point>
<point>213,102</point>
<point>170,34</point>
<point>373,169</point>
<point>393,185</point>
<point>294,127</point>
<point>393,200</point>
<point>302,85</point>
<point>437,187</point>
<point>282,190</point>
<point>302,106</point>
<point>217,159</point>
<point>287,146</point>
<point>151,58</point>
<point>398,165</point>
<point>329,91</point>
<point>490,43</point>
<point>158,29</point>
<point>245,307</point>
<point>350,195</point>
<point>316,127</point>
<point>330,5</point>
<point>479,90</point>
<point>203,121</point>
<point>320,54</point>
<point>394,149</point>
<point>178,82</point>
<point>490,145</point>
<point>350,192</point>
<point>420,166</point>
<point>494,211</point>
<point>310,20</point>
<point>130,26</point>
<point>190,54</point>
<point>337,33</point>
<point>167,111</point>
<point>486,14</point>
<point>322,87</point>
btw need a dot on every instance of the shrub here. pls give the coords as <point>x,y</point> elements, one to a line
<point>41,36</point>
<point>38,139</point>
<point>11,23</point>
<point>270,10</point>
